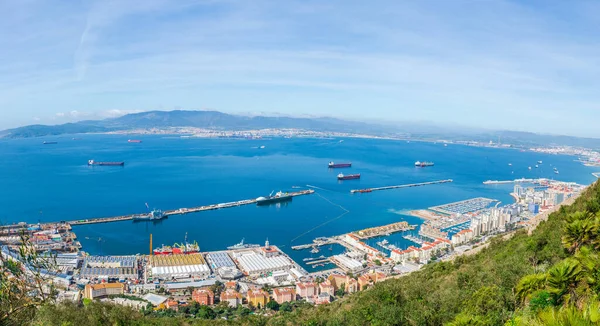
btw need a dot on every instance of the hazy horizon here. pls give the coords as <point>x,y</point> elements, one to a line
<point>495,65</point>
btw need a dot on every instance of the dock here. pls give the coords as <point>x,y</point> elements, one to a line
<point>400,186</point>
<point>181,211</point>
<point>522,180</point>
<point>384,230</point>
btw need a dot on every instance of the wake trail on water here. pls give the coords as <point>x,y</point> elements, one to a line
<point>315,187</point>
<point>326,222</point>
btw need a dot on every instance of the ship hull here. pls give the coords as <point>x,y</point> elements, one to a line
<point>340,165</point>
<point>350,177</point>
<point>271,201</point>
<point>107,164</point>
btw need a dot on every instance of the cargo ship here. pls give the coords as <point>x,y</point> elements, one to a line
<point>154,215</point>
<point>242,245</point>
<point>333,165</point>
<point>342,176</point>
<point>134,141</point>
<point>423,164</point>
<point>50,142</point>
<point>92,162</point>
<point>271,199</point>
<point>185,248</point>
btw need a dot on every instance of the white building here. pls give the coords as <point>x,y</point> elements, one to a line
<point>254,263</point>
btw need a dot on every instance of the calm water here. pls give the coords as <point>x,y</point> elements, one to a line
<point>53,182</point>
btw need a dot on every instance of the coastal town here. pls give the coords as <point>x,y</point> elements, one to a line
<point>252,275</point>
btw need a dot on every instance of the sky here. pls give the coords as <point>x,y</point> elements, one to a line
<point>513,65</point>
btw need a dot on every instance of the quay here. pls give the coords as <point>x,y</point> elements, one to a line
<point>181,211</point>
<point>522,180</point>
<point>384,230</point>
<point>400,186</point>
<point>320,261</point>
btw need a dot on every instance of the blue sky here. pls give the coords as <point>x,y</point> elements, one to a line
<point>518,65</point>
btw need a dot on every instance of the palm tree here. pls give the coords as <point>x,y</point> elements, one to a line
<point>562,280</point>
<point>529,284</point>
<point>578,233</point>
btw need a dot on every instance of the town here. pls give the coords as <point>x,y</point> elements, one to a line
<point>265,277</point>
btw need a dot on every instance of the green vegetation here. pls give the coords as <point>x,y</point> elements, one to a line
<point>551,277</point>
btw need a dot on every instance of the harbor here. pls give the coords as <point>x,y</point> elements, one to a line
<point>366,190</point>
<point>182,211</point>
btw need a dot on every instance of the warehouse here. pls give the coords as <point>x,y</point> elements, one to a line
<point>254,263</point>
<point>178,266</point>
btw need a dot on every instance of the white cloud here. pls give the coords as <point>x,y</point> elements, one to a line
<point>60,114</point>
<point>499,65</point>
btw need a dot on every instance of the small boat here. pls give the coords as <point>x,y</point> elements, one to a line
<point>134,141</point>
<point>509,164</point>
<point>539,162</point>
<point>529,168</point>
<point>50,142</point>
<point>555,171</point>
<point>537,166</point>
<point>315,250</point>
<point>262,147</point>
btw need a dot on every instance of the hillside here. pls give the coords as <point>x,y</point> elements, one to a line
<point>223,121</point>
<point>198,119</point>
<point>472,290</point>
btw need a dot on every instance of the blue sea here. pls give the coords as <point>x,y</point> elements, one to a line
<point>53,183</point>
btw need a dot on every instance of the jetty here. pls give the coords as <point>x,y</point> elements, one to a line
<point>181,211</point>
<point>400,186</point>
<point>384,230</point>
<point>522,180</point>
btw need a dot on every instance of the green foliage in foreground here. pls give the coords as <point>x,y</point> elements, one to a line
<point>549,278</point>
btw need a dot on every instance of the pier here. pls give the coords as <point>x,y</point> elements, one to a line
<point>522,180</point>
<point>181,211</point>
<point>384,230</point>
<point>400,186</point>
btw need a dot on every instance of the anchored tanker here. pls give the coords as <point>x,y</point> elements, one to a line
<point>423,164</point>
<point>339,165</point>
<point>342,176</point>
<point>271,199</point>
<point>92,162</point>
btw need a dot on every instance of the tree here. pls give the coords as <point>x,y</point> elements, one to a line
<point>579,233</point>
<point>561,280</point>
<point>190,290</point>
<point>273,305</point>
<point>377,262</point>
<point>24,283</point>
<point>530,284</point>
<point>206,312</point>
<point>340,291</point>
<point>286,306</point>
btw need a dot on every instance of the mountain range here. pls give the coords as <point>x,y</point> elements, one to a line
<point>223,121</point>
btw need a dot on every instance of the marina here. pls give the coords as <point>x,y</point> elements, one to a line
<point>400,186</point>
<point>464,206</point>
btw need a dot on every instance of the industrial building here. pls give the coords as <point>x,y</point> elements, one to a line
<point>223,265</point>
<point>109,267</point>
<point>347,264</point>
<point>93,291</point>
<point>178,266</point>
<point>261,262</point>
